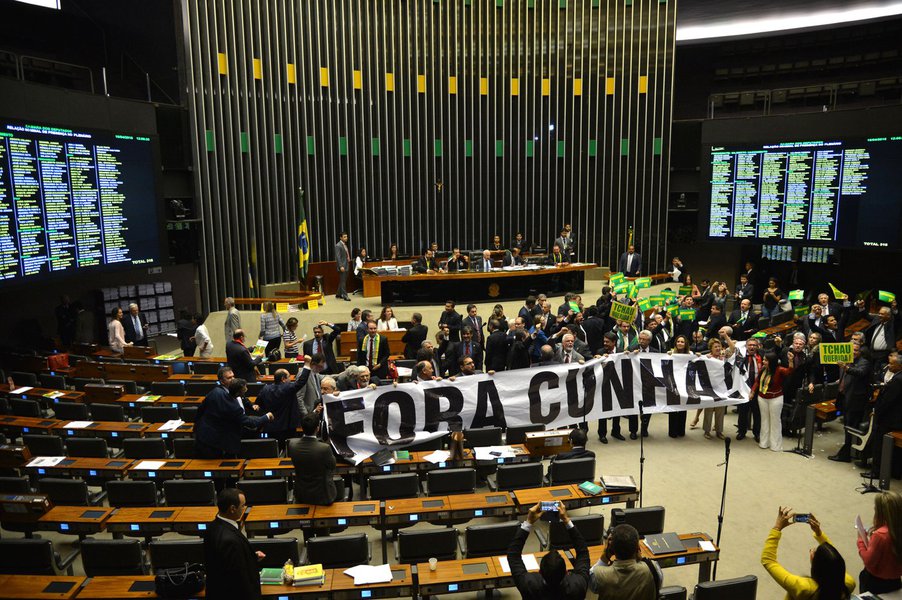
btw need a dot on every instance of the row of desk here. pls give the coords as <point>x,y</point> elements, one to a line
<point>449,576</point>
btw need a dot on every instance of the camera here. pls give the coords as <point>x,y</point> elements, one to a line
<point>801,517</point>
<point>550,511</point>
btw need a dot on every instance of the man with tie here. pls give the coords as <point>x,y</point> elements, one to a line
<point>827,307</point>
<point>221,419</point>
<point>496,346</point>
<point>565,244</point>
<point>467,347</point>
<point>426,263</point>
<point>239,357</point>
<point>342,263</point>
<point>135,326</point>
<point>887,412</point>
<point>322,344</point>
<point>485,263</point>
<point>373,352</point>
<point>743,321</point>
<point>854,392</point>
<point>457,262</point>
<point>750,366</point>
<point>745,289</point>
<point>881,335</point>
<point>414,336</point>
<point>474,321</point>
<point>512,258</point>
<point>280,398</point>
<point>557,257</point>
<point>452,319</point>
<point>565,354</point>
<point>427,354</point>
<point>630,262</point>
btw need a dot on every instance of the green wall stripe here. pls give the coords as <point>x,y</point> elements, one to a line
<point>561,148</point>
<point>244,142</point>
<point>277,142</point>
<point>406,146</point>
<point>624,147</point>
<point>211,140</point>
<point>342,146</point>
<point>311,145</point>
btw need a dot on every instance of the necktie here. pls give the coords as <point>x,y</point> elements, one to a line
<point>467,349</point>
<point>316,347</point>
<point>753,368</point>
<point>629,263</point>
<point>370,358</point>
<point>567,357</point>
<point>138,330</point>
<point>485,265</point>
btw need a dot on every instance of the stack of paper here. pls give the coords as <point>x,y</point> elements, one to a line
<point>150,465</point>
<point>171,425</point>
<point>529,561</point>
<point>54,394</point>
<point>493,452</point>
<point>148,398</point>
<point>21,390</point>
<point>271,576</point>
<point>438,456</point>
<point>46,461</point>
<point>366,574</point>
<point>78,424</point>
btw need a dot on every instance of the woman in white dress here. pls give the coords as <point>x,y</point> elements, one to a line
<point>387,320</point>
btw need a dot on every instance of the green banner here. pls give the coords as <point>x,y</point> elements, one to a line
<point>622,312</point>
<point>645,304</point>
<point>621,287</point>
<point>668,293</point>
<point>657,300</point>
<point>797,295</point>
<point>836,293</point>
<point>687,314</point>
<point>685,290</point>
<point>633,292</point>
<point>616,278</point>
<point>759,334</point>
<point>885,296</point>
<point>802,310</point>
<point>643,282</point>
<point>673,310</point>
<point>574,307</point>
<point>832,354</point>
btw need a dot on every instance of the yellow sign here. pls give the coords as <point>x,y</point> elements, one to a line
<point>312,305</point>
<point>622,312</point>
<point>281,307</point>
<point>832,354</point>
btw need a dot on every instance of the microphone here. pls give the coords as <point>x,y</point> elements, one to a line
<point>726,442</point>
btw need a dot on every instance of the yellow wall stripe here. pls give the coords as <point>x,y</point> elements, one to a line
<point>643,84</point>
<point>546,87</point>
<point>258,68</point>
<point>577,87</point>
<point>324,76</point>
<point>223,63</point>
<point>484,86</point>
<point>421,84</point>
<point>291,73</point>
<point>389,82</point>
<point>452,85</point>
<point>609,86</point>
<point>357,79</point>
<point>515,87</point>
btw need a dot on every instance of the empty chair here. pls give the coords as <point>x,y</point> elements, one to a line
<point>108,359</point>
<point>517,476</point>
<point>206,368</point>
<point>517,435</point>
<point>277,551</point>
<point>71,411</point>
<point>189,492</point>
<point>87,447</point>
<point>420,545</point>
<point>199,388</point>
<point>144,448</point>
<point>54,382</point>
<point>169,554</point>
<point>107,412</point>
<point>647,520</point>
<point>23,407</point>
<point>406,363</point>
<point>44,445</point>
<point>254,388</point>
<point>167,388</point>
<point>112,557</point>
<point>81,382</point>
<point>159,414</point>
<point>264,491</point>
<point>441,482</point>
<point>188,413</point>
<point>21,378</point>
<point>183,447</point>
<point>482,436</point>
<point>739,588</point>
<point>672,592</point>
<point>131,493</point>
<point>337,551</point>
<point>488,540</point>
<point>572,470</point>
<point>262,448</point>
<point>131,387</point>
<point>15,485</point>
<point>398,485</point>
<point>32,557</point>
<point>71,492</point>
<point>590,526</point>
<point>436,444</point>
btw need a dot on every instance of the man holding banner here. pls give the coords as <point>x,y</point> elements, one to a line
<point>853,388</point>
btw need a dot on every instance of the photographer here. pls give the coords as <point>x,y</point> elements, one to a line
<point>621,573</point>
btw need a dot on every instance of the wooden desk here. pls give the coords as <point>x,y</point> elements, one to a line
<point>212,378</point>
<point>347,513</point>
<point>469,461</point>
<point>401,585</point>
<point>504,578</point>
<point>452,576</point>
<point>75,520</point>
<point>39,586</point>
<point>347,342</point>
<point>261,468</point>
<point>143,521</point>
<point>20,425</point>
<point>493,504</point>
<point>268,517</point>
<point>193,519</point>
<point>629,498</point>
<point>213,469</point>
<point>414,510</point>
<point>859,325</point>
<point>84,468</point>
<point>474,286</point>
<point>368,467</point>
<point>548,443</point>
<point>139,352</point>
<point>825,411</point>
<point>184,430</point>
<point>119,587</point>
<point>108,430</point>
<point>692,555</point>
<point>521,455</point>
<point>526,499</point>
<point>780,329</point>
<point>296,298</point>
<point>39,393</point>
<point>126,371</point>
<point>170,469</point>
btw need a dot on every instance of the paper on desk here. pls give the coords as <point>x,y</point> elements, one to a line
<point>706,545</point>
<point>171,425</point>
<point>21,390</point>
<point>148,398</point>
<point>529,561</point>
<point>46,461</point>
<point>150,465</point>
<point>485,452</point>
<point>862,532</point>
<point>78,424</point>
<point>438,456</point>
<point>404,371</point>
<point>367,574</point>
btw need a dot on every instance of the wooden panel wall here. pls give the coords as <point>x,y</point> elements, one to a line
<point>413,121</point>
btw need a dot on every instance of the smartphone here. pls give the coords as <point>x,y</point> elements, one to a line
<point>550,511</point>
<point>495,453</point>
<point>801,517</point>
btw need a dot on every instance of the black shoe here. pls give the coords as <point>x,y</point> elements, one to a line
<point>645,433</point>
<point>603,439</point>
<point>618,436</point>
<point>633,435</point>
<point>840,458</point>
<point>740,436</point>
<point>758,439</point>
<point>345,298</point>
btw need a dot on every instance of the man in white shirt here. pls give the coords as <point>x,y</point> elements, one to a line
<point>135,326</point>
<point>485,264</point>
<point>202,337</point>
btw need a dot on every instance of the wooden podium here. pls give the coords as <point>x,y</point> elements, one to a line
<point>548,443</point>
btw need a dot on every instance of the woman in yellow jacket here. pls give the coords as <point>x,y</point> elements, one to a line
<point>828,581</point>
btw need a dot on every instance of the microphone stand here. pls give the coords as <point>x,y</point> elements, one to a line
<point>641,455</point>
<point>723,499</point>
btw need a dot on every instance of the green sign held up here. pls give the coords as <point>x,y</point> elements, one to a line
<point>832,354</point>
<point>643,282</point>
<point>622,312</point>
<point>797,295</point>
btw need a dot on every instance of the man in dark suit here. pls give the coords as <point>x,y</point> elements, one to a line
<point>829,329</point>
<point>323,344</point>
<point>484,265</point>
<point>887,412</point>
<point>474,322</point>
<point>512,258</point>
<point>229,560</point>
<point>827,307</point>
<point>578,439</point>
<point>630,263</point>
<point>557,258</point>
<point>528,311</point>
<point>314,466</point>
<point>135,325</point>
<point>457,262</point>
<point>413,337</point>
<point>342,263</point>
<point>880,336</point>
<point>280,398</point>
<point>552,580</point>
<point>496,345</point>
<point>854,392</point>
<point>715,321</point>
<point>743,321</point>
<point>467,346</point>
<point>426,263</point>
<point>373,352</point>
<point>565,244</point>
<point>453,319</point>
<point>518,353</point>
<point>745,290</point>
<point>239,358</point>
<point>220,419</point>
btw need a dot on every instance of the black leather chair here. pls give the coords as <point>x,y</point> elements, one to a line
<point>23,407</point>
<point>15,485</point>
<point>206,368</point>
<point>188,413</point>
<point>337,551</point>
<point>413,547</point>
<point>87,447</point>
<point>396,485</point>
<point>189,492</point>
<point>112,557</point>
<point>68,492</point>
<point>167,388</point>
<point>590,526</point>
<point>277,551</point>
<point>71,411</point>
<point>199,388</point>
<point>44,445</point>
<point>436,444</point>
<point>54,382</point>
<point>132,493</point>
<point>144,448</point>
<point>169,554</point>
<point>483,436</point>
<point>441,482</point>
<point>159,414</point>
<point>262,448</point>
<point>648,520</point>
<point>264,491</point>
<point>487,540</point>
<point>22,378</point>
<point>107,412</point>
<point>517,435</point>
<point>672,592</point>
<point>573,470</point>
<point>183,447</point>
<point>32,557</point>
<point>517,476</point>
<point>81,382</point>
<point>738,588</point>
<point>131,387</point>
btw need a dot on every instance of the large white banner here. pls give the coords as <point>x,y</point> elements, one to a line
<point>361,422</point>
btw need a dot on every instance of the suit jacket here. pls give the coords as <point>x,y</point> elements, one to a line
<point>328,350</point>
<point>511,261</point>
<point>531,585</point>
<point>517,356</point>
<point>458,265</point>
<point>422,265</point>
<point>467,321</point>
<point>714,325</point>
<point>480,265</point>
<point>637,264</point>
<point>413,339</point>
<point>455,352</point>
<point>314,466</point>
<point>827,335</point>
<point>496,351</point>
<point>595,329</point>
<point>220,421</point>
<point>890,329</point>
<point>575,356</point>
<point>746,291</point>
<point>381,358</point>
<point>745,330</point>
<point>566,244</point>
<point>574,453</point>
<point>554,259</point>
<point>281,400</point>
<point>454,321</point>
<point>230,563</point>
<point>129,327</point>
<point>855,384</point>
<point>888,410</point>
<point>239,358</point>
<point>309,395</point>
<point>342,260</point>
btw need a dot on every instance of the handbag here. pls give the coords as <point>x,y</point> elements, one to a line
<point>58,362</point>
<point>180,582</point>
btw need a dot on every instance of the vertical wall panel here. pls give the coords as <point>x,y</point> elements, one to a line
<point>423,121</point>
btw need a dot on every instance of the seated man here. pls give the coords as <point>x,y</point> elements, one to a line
<point>621,572</point>
<point>457,262</point>
<point>552,580</point>
<point>512,258</point>
<point>578,439</point>
<point>357,379</point>
<point>557,257</point>
<point>426,263</point>
<point>485,263</point>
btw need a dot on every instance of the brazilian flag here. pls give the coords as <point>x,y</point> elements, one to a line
<point>303,238</point>
<point>252,268</point>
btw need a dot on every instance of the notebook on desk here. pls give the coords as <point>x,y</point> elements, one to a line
<point>664,543</point>
<point>618,483</point>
